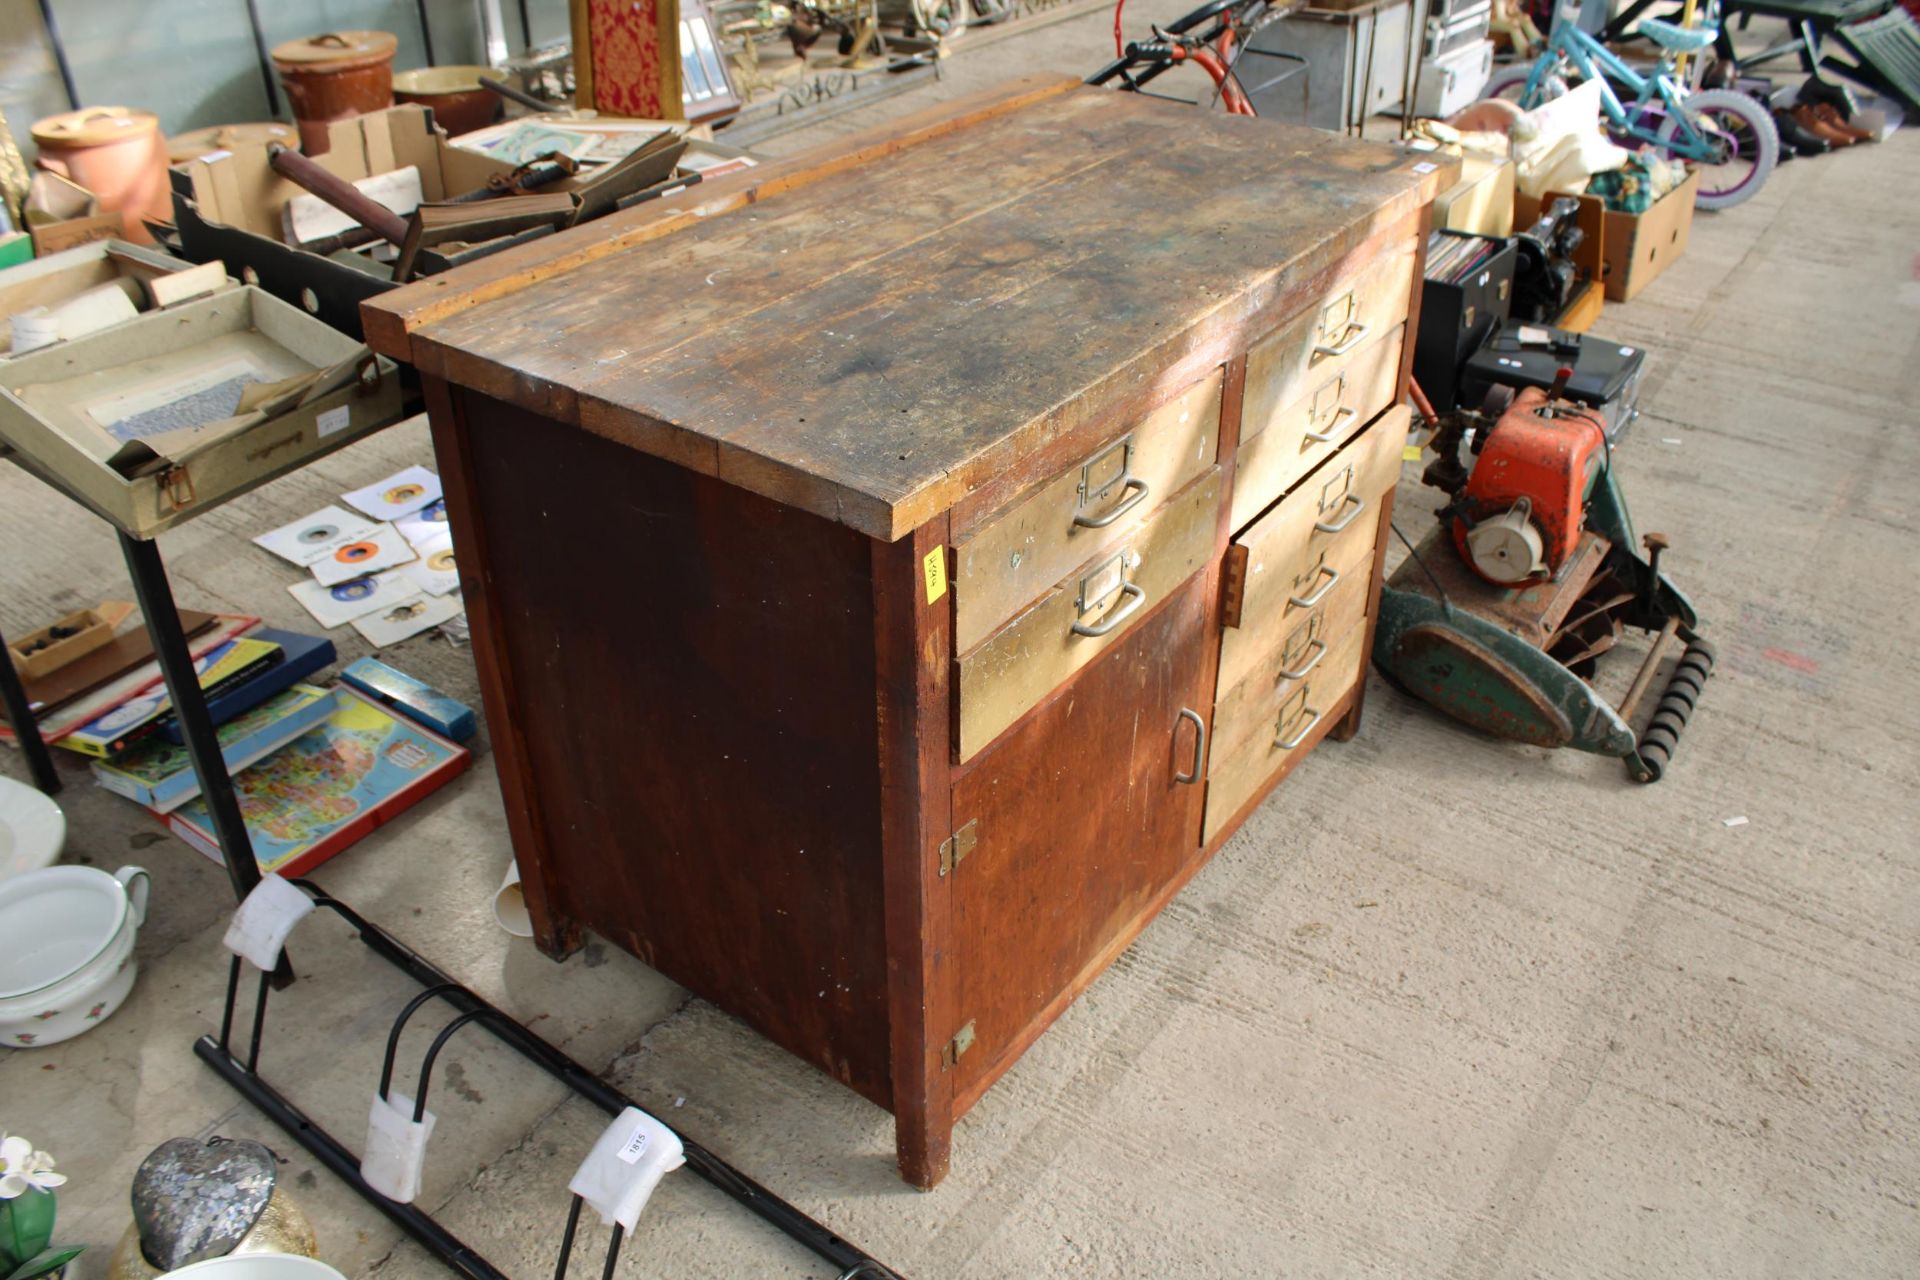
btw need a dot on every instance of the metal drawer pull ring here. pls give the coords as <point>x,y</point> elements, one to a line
<point>1319,652</point>
<point>1136,596</point>
<point>1289,744</point>
<point>1307,602</point>
<point>1199,745</point>
<point>1355,503</point>
<point>1136,494</point>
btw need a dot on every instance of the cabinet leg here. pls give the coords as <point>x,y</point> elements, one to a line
<point>923,1144</point>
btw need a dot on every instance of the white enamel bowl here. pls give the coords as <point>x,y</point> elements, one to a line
<point>32,829</point>
<point>66,950</point>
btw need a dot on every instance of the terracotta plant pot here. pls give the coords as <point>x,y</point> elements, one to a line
<point>458,102</point>
<point>334,76</point>
<point>117,154</point>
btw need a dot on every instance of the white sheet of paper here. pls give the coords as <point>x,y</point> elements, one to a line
<point>434,572</point>
<point>308,217</point>
<point>382,548</point>
<point>407,619</point>
<point>316,537</point>
<point>340,604</point>
<point>400,494</point>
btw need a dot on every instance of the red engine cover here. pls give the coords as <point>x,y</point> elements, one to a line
<point>1547,452</point>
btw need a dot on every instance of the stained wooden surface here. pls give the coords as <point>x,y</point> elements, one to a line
<point>872,344</point>
<point>1081,825</point>
<point>693,674</point>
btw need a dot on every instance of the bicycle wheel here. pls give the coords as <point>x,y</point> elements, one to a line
<point>1735,148</point>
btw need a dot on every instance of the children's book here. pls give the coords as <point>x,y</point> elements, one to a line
<point>141,715</point>
<point>300,657</point>
<point>330,786</point>
<point>158,774</point>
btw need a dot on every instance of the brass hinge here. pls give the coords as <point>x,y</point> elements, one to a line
<point>961,1042</point>
<point>955,848</point>
<point>1233,585</point>
<point>176,482</point>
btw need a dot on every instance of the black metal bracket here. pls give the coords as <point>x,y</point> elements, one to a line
<point>243,1073</point>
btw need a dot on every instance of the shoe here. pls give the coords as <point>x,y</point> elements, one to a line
<point>1794,139</point>
<point>1803,115</point>
<point>1830,115</point>
<point>1836,95</point>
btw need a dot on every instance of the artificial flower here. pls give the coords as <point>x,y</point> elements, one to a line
<point>22,1167</point>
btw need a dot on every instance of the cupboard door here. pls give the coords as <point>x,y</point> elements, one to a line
<point>1079,820</point>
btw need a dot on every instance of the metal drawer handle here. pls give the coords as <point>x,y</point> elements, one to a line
<point>1307,602</point>
<point>1199,746</point>
<point>1136,596</point>
<point>1355,505</point>
<point>1346,344</point>
<point>1288,744</point>
<point>1136,494</point>
<point>1319,652</point>
<point>1341,416</point>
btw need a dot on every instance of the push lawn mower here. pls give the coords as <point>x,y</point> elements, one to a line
<point>1500,615</point>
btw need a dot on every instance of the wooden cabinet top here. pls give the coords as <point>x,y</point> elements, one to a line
<point>929,314</point>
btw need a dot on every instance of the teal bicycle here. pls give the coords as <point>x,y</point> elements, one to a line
<point>1727,135</point>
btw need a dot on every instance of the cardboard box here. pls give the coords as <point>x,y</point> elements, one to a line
<point>151,421</point>
<point>1583,308</point>
<point>158,280</point>
<point>1481,203</point>
<point>61,214</point>
<point>1642,245</point>
<point>229,205</point>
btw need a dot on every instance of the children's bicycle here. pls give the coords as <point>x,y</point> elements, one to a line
<point>1729,136</point>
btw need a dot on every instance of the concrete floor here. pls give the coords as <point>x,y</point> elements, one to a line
<point>1446,1006</point>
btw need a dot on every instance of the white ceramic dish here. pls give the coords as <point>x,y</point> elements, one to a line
<point>32,829</point>
<point>66,950</point>
<point>259,1266</point>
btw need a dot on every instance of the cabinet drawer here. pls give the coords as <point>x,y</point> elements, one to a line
<point>1285,733</point>
<point>1094,607</point>
<point>1317,540</point>
<point>1305,641</point>
<point>1300,355</point>
<point>1302,435</point>
<point>1097,503</point>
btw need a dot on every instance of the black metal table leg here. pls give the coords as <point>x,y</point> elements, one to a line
<point>151,589</point>
<point>26,730</point>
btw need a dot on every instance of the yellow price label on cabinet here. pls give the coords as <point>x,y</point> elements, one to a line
<point>934,567</point>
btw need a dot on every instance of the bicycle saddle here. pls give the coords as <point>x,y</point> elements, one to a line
<point>1678,39</point>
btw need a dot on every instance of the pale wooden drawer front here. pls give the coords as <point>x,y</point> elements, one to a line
<point>1302,435</point>
<point>1320,537</point>
<point>1030,546</point>
<point>1235,775</point>
<point>1298,356</point>
<point>1306,642</point>
<point>1026,659</point>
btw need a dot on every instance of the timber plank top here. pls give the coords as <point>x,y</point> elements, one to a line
<point>872,331</point>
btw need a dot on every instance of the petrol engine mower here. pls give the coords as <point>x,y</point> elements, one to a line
<point>1500,615</point>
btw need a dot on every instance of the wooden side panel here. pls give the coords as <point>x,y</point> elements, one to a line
<point>692,673</point>
<point>1082,830</point>
<point>913,648</point>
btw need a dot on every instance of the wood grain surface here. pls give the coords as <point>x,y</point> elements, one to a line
<point>873,344</point>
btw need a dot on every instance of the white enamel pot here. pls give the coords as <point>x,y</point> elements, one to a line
<point>66,950</point>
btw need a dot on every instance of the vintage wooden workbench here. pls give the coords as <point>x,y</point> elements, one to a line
<point>895,570</point>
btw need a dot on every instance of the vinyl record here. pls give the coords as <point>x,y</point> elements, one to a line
<point>355,552</point>
<point>401,494</point>
<point>441,561</point>
<point>357,589</point>
<point>318,533</point>
<point>402,612</point>
<point>434,512</point>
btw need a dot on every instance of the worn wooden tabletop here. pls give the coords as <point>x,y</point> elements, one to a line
<point>872,333</point>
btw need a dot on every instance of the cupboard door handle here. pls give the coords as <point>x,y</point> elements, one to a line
<point>1136,596</point>
<point>1340,416</point>
<point>1354,334</point>
<point>1199,745</point>
<point>1307,602</point>
<point>1355,505</point>
<point>1319,652</point>
<point>1136,494</point>
<point>1288,744</point>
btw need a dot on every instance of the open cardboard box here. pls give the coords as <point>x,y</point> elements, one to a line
<point>1482,201</point>
<point>151,421</point>
<point>230,205</point>
<point>1590,257</point>
<point>153,279</point>
<point>1642,245</point>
